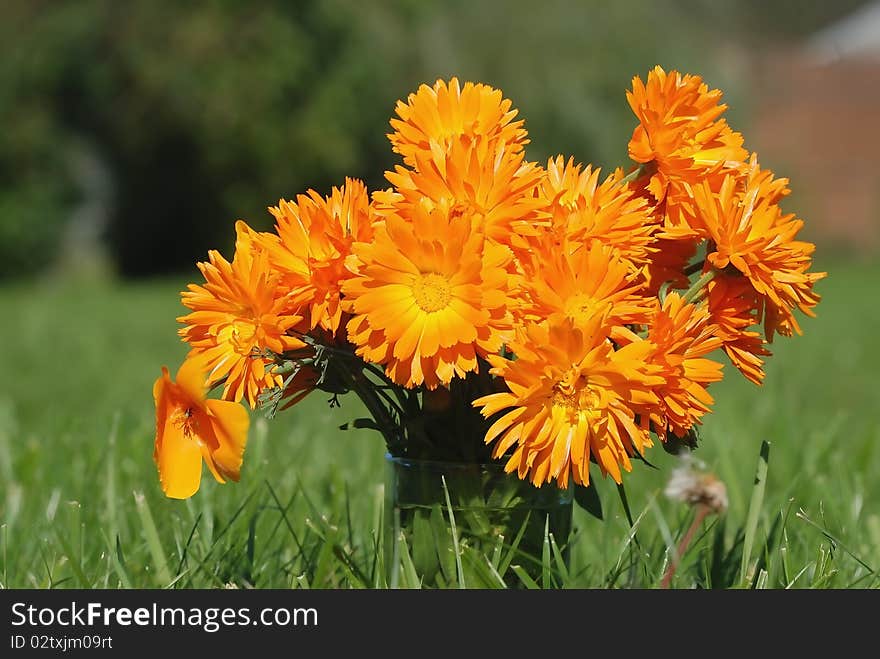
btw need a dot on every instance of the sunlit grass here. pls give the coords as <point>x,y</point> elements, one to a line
<point>80,504</point>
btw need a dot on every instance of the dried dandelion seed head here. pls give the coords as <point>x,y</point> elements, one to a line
<point>691,483</point>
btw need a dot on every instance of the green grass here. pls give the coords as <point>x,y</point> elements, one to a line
<point>80,504</point>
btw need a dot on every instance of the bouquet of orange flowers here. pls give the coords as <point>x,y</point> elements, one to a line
<point>486,307</point>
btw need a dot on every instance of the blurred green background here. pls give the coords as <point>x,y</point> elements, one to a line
<point>135,134</point>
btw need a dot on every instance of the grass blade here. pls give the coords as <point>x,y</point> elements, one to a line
<point>110,483</point>
<point>409,575</point>
<point>561,566</point>
<point>458,565</point>
<point>507,559</point>
<point>757,501</point>
<point>117,560</point>
<point>545,554</point>
<point>163,576</point>
<point>801,514</point>
<point>4,531</point>
<point>528,582</point>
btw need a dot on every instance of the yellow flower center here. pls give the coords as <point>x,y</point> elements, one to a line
<point>565,396</point>
<point>240,334</point>
<point>432,292</point>
<point>581,305</point>
<point>574,393</point>
<point>566,392</point>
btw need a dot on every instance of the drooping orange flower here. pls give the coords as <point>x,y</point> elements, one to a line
<point>580,281</point>
<point>433,118</point>
<point>495,186</point>
<point>429,297</point>
<point>191,428</point>
<point>314,237</point>
<point>236,315</point>
<point>751,235</point>
<point>585,210</point>
<point>571,397</point>
<point>733,306</point>
<point>680,136</point>
<point>681,334</point>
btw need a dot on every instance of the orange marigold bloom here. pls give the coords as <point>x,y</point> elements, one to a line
<point>751,235</point>
<point>429,297</point>
<point>571,398</point>
<point>435,117</point>
<point>579,282</point>
<point>681,334</point>
<point>236,315</point>
<point>314,237</point>
<point>680,136</point>
<point>496,187</point>
<point>585,210</point>
<point>190,428</point>
<point>733,306</point>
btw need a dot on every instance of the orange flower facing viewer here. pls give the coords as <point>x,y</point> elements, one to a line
<point>190,428</point>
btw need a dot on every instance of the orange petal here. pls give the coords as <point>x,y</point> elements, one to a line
<point>230,422</point>
<point>191,379</point>
<point>179,460</point>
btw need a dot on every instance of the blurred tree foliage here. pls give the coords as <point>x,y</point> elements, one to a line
<point>208,112</point>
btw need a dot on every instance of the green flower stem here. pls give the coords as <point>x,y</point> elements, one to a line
<point>403,400</point>
<point>366,391</point>
<point>696,291</point>
<point>693,268</point>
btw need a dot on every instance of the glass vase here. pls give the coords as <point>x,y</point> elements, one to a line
<point>455,524</point>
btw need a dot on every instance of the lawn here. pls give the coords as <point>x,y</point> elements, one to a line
<point>81,507</point>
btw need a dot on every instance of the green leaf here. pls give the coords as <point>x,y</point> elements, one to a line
<point>424,546</point>
<point>368,424</point>
<point>621,492</point>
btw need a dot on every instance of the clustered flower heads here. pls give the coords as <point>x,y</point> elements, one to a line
<point>574,313</point>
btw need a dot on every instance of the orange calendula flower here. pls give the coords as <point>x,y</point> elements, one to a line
<point>571,398</point>
<point>733,306</point>
<point>237,315</point>
<point>583,209</point>
<point>751,235</point>
<point>496,187</point>
<point>682,334</point>
<point>314,237</point>
<point>435,117</point>
<point>591,281</point>
<point>191,428</point>
<point>680,135</point>
<point>429,297</point>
